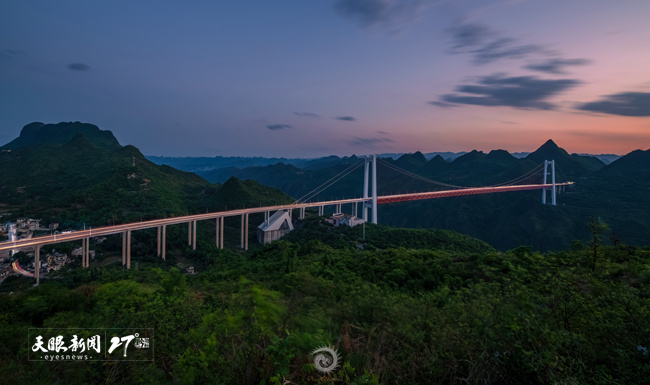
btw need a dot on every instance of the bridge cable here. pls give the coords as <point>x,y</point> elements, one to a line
<point>521,178</point>
<point>329,182</point>
<point>413,175</point>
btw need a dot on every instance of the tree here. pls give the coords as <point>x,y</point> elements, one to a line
<point>596,228</point>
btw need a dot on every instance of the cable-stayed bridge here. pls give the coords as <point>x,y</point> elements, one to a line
<point>369,201</point>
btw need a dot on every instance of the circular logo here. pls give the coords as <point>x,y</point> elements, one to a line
<point>326,359</point>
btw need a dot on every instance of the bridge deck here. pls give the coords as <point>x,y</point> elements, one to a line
<point>117,229</point>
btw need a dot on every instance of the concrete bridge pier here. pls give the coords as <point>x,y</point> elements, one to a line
<point>124,248</point>
<point>83,252</point>
<point>321,210</point>
<point>85,258</point>
<point>216,231</point>
<point>302,213</point>
<point>193,235</point>
<point>163,242</point>
<point>338,208</point>
<point>158,241</point>
<point>189,233</point>
<point>244,231</point>
<point>37,264</point>
<point>221,230</point>
<point>128,249</point>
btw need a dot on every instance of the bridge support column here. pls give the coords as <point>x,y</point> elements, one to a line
<point>37,264</point>
<point>221,230</point>
<point>189,233</point>
<point>364,207</point>
<point>554,196</point>
<point>216,231</point>
<point>374,189</point>
<point>244,231</point>
<point>338,208</point>
<point>124,248</point>
<point>321,210</point>
<point>158,242</point>
<point>83,252</point>
<point>553,191</point>
<point>163,242</point>
<point>128,249</point>
<point>373,203</point>
<point>302,213</point>
<point>193,235</point>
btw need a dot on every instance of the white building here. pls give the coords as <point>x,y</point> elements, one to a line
<point>345,219</point>
<point>278,225</point>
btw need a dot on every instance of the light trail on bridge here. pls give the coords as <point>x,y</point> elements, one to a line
<point>119,229</point>
<point>465,191</point>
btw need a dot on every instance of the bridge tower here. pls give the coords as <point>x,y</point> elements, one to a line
<point>373,204</point>
<point>546,173</point>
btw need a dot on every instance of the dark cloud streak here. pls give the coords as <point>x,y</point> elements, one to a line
<point>276,127</point>
<point>368,12</point>
<point>78,67</point>
<point>556,66</point>
<point>525,92</point>
<point>307,114</point>
<point>484,44</point>
<point>346,118</point>
<point>624,104</point>
<point>372,12</point>
<point>369,142</point>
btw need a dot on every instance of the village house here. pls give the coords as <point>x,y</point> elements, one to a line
<point>345,219</point>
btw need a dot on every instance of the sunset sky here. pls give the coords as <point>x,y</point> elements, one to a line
<point>300,78</point>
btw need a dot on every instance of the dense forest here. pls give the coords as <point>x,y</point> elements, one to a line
<point>400,306</point>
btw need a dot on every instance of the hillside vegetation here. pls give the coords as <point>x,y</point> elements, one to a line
<point>411,307</point>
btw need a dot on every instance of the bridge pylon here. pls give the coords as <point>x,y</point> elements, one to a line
<point>373,204</point>
<point>554,189</point>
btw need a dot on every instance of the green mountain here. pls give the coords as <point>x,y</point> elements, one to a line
<point>571,165</point>
<point>236,194</point>
<point>619,194</point>
<point>86,176</point>
<point>36,133</point>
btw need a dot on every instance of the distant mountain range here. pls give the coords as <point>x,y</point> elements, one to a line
<point>503,220</point>
<point>204,164</point>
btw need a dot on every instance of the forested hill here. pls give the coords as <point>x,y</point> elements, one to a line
<point>400,307</point>
<point>503,220</point>
<point>617,193</point>
<point>75,172</point>
<point>37,133</point>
